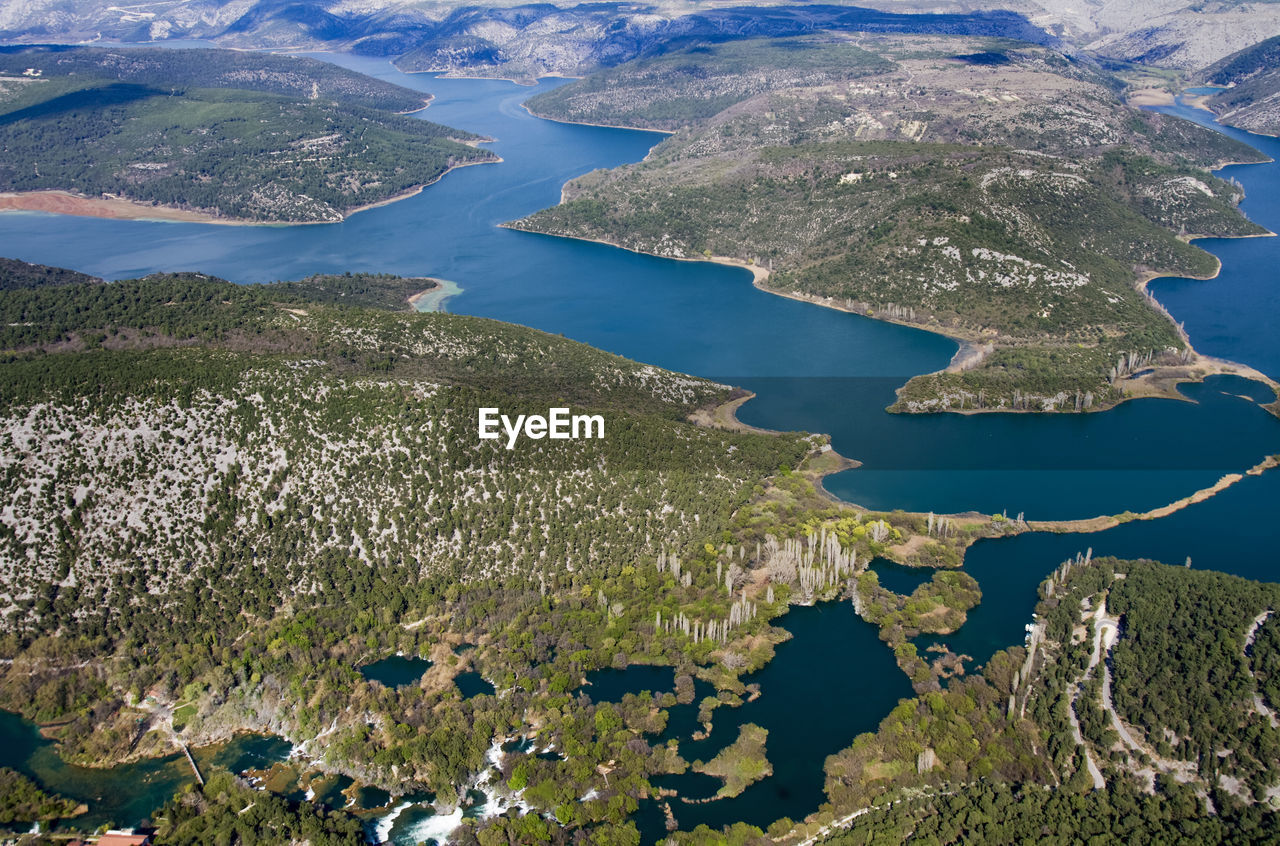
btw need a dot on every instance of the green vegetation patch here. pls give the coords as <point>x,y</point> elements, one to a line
<point>227,810</point>
<point>741,763</point>
<point>21,801</point>
<point>1006,203</point>
<point>219,142</point>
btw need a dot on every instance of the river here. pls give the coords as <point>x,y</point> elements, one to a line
<point>813,369</point>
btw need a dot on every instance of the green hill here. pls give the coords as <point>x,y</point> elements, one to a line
<point>994,191</point>
<point>237,135</point>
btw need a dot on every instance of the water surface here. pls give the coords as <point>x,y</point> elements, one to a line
<point>813,369</point>
<point>396,671</point>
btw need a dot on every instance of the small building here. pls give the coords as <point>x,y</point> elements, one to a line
<point>124,838</point>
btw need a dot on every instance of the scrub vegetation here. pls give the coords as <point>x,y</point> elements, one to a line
<point>237,135</point>
<point>994,191</point>
<point>221,501</point>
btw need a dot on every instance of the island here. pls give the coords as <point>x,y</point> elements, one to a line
<point>741,763</point>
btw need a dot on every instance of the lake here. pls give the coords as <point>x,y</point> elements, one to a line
<point>813,369</point>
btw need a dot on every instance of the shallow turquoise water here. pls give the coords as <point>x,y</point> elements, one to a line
<point>130,793</point>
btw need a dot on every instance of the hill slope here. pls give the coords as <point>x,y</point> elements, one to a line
<point>238,136</point>
<point>1253,100</point>
<point>996,192</point>
<point>231,497</point>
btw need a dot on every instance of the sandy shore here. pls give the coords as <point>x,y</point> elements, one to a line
<point>1150,97</point>
<point>725,416</point>
<point>433,298</point>
<point>118,208</point>
<point>433,287</point>
<point>63,202</point>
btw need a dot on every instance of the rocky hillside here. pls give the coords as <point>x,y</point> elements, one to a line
<point>523,40</point>
<point>1252,100</point>
<point>997,192</point>
<point>1177,34</point>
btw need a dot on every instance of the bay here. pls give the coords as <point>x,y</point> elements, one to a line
<point>813,369</point>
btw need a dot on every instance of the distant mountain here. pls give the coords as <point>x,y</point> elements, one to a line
<point>530,41</point>
<point>516,40</point>
<point>526,39</point>
<point>1177,33</point>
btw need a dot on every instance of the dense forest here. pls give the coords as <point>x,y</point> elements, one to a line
<point>234,137</point>
<point>227,810</point>
<point>1003,813</point>
<point>15,274</point>
<point>1032,748</point>
<point>1006,201</point>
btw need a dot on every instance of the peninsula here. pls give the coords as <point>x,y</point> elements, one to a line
<point>992,191</point>
<point>211,136</point>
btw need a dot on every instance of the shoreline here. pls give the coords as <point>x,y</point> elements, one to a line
<point>532,113</point>
<point>118,208</point>
<point>725,416</point>
<point>414,299</point>
<point>1102,523</point>
<point>433,299</point>
<point>448,74</point>
<point>974,345</point>
<point>1201,101</point>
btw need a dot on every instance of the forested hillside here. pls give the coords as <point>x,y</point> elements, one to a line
<point>1139,709</point>
<point>267,73</point>
<point>229,498</point>
<point>218,502</point>
<point>236,135</point>
<point>994,191</point>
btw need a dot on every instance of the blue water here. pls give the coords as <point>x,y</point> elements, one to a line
<point>1231,316</point>
<point>129,793</point>
<point>472,684</point>
<point>396,670</point>
<point>834,671</point>
<point>833,680</point>
<point>899,579</point>
<point>610,685</point>
<point>813,369</point>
